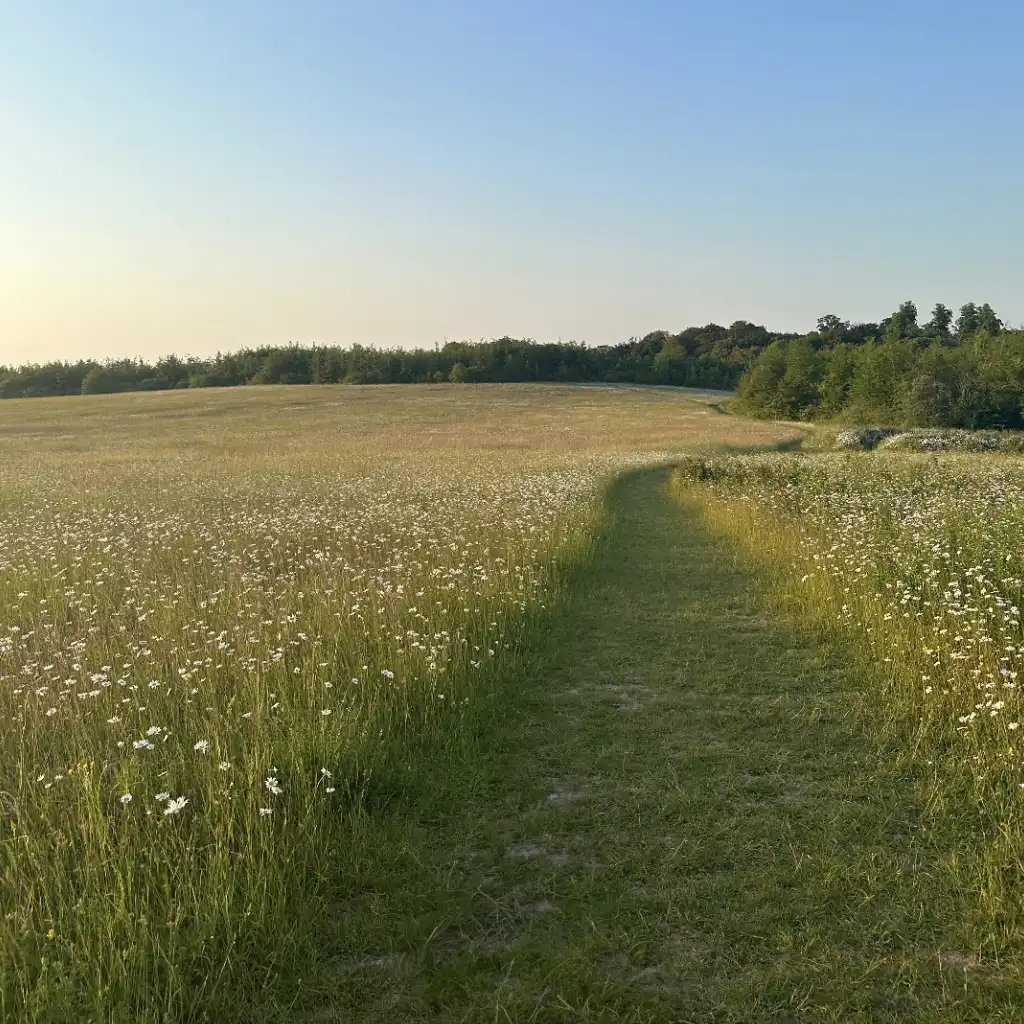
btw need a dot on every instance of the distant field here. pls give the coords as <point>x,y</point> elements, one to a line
<point>225,614</point>
<point>545,417</point>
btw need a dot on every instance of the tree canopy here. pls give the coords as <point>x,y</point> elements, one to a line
<point>963,373</point>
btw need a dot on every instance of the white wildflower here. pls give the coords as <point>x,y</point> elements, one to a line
<point>175,805</point>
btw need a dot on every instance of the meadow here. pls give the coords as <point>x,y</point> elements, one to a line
<point>920,559</point>
<point>503,703</point>
<point>226,616</point>
<point>912,564</point>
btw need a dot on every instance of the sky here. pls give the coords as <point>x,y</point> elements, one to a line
<point>205,176</point>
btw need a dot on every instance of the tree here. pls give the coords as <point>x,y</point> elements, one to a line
<point>831,328</point>
<point>942,318</point>
<point>759,387</point>
<point>98,382</point>
<point>968,322</point>
<point>459,374</point>
<point>798,389</point>
<point>834,390</point>
<point>903,323</point>
<point>743,335</point>
<point>879,381</point>
<point>671,364</point>
<point>931,396</point>
<point>988,321</point>
<point>922,404</point>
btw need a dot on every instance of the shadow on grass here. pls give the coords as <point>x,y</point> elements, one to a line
<point>674,812</point>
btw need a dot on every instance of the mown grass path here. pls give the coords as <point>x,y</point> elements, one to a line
<point>677,817</point>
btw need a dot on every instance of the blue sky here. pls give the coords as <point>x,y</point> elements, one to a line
<point>199,176</point>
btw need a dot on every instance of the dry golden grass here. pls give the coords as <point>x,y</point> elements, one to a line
<point>281,421</point>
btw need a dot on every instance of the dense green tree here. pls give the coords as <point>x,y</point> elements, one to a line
<point>672,364</point>
<point>939,325</point>
<point>967,375</point>
<point>902,323</point>
<point>879,381</point>
<point>798,390</point>
<point>834,390</point>
<point>831,329</point>
<point>968,321</point>
<point>98,381</point>
<point>759,387</point>
<point>932,389</point>
<point>988,321</point>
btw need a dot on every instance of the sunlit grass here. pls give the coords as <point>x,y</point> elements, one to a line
<point>914,564</point>
<point>226,616</point>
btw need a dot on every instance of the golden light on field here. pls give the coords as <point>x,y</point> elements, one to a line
<point>223,612</point>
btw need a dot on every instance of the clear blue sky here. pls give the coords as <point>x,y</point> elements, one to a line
<point>199,175</point>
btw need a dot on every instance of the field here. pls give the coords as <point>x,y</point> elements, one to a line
<point>228,616</point>
<point>912,564</point>
<point>501,703</point>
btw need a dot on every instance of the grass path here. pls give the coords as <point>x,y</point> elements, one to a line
<point>676,818</point>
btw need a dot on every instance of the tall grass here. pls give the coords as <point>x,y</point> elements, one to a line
<point>913,564</point>
<point>205,675</point>
<point>232,628</point>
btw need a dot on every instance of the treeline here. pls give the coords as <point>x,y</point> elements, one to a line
<point>967,372</point>
<point>705,357</point>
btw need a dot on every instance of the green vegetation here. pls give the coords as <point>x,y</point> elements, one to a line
<point>310,720</point>
<point>682,810</point>
<point>913,439</point>
<point>701,357</point>
<point>231,625</point>
<point>967,374</point>
<point>912,563</point>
